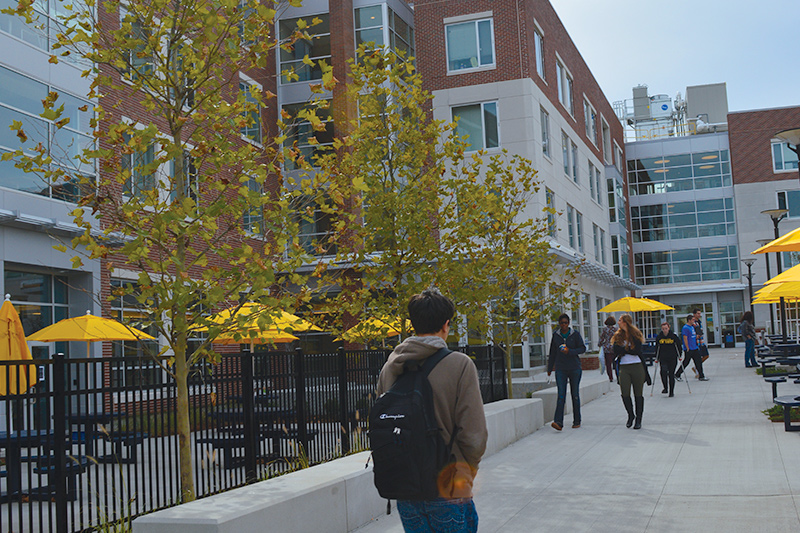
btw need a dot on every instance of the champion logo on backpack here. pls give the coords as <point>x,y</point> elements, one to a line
<point>408,451</point>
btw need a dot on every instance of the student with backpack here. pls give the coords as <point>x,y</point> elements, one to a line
<point>430,471</point>
<point>566,348</point>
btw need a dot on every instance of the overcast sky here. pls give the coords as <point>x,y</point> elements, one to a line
<point>668,44</point>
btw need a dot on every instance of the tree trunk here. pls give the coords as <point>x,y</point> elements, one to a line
<point>184,429</point>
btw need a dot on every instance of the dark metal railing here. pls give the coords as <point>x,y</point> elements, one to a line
<point>95,441</point>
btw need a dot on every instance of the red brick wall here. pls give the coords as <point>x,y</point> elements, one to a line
<point>749,134</point>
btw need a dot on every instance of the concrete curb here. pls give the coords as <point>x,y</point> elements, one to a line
<point>341,492</point>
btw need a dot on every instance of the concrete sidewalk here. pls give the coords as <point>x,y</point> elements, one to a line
<point>703,462</point>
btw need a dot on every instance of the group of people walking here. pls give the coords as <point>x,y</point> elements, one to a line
<point>622,352</point>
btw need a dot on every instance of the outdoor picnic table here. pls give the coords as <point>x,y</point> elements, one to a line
<point>13,443</point>
<point>786,349</point>
<point>787,402</point>
<point>90,423</point>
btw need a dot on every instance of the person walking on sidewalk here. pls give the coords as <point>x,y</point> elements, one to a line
<point>633,373</point>
<point>701,337</point>
<point>691,349</point>
<point>608,349</point>
<point>748,331</point>
<point>565,350</point>
<point>668,353</point>
<point>458,410</point>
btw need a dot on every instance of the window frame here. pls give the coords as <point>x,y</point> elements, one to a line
<point>538,44</point>
<point>247,81</point>
<point>784,149</point>
<point>544,119</point>
<point>590,121</point>
<point>485,138</point>
<point>565,86</point>
<point>476,23</point>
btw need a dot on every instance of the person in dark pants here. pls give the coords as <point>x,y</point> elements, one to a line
<point>633,373</point>
<point>565,350</point>
<point>668,352</point>
<point>608,349</point>
<point>748,332</point>
<point>691,349</point>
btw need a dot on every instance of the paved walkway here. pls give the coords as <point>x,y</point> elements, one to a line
<point>703,462</point>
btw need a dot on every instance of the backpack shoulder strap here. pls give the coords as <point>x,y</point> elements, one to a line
<point>433,360</point>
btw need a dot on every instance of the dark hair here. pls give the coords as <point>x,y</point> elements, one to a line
<point>689,317</point>
<point>667,323</point>
<point>562,317</point>
<point>748,315</point>
<point>429,311</point>
<point>695,310</point>
<point>610,321</point>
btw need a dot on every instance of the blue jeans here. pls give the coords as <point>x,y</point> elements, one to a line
<point>438,516</point>
<point>750,352</point>
<point>574,377</point>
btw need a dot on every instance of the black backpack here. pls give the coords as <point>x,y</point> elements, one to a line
<point>408,451</point>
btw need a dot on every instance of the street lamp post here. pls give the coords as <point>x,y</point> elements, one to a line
<point>764,242</point>
<point>749,276</point>
<point>777,215</point>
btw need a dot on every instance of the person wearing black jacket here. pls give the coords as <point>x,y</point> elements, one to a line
<point>627,342</point>
<point>668,352</point>
<point>565,350</point>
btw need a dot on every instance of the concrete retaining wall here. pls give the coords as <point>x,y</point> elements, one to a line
<point>334,496</point>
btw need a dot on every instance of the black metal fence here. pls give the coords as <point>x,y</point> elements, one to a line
<point>95,441</point>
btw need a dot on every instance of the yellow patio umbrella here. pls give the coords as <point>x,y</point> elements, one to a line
<point>247,328</point>
<point>375,328</point>
<point>14,348</point>
<point>629,304</point>
<point>791,275</point>
<point>787,243</point>
<point>88,328</point>
<point>789,290</point>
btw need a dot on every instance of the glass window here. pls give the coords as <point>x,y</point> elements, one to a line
<point>538,42</point>
<point>590,119</point>
<point>253,219</point>
<point>190,183</point>
<point>790,200</point>
<point>591,179</point>
<point>478,123</point>
<point>565,152</point>
<point>293,66</point>
<point>138,166</point>
<point>564,79</point>
<point>131,363</point>
<point>252,129</point>
<point>574,162</point>
<point>470,45</point>
<point>579,230</point>
<point>545,122</point>
<point>550,200</point>
<point>314,229</point>
<point>401,35</point>
<point>570,226</point>
<point>783,158</point>
<point>369,25</point>
<point>302,136</point>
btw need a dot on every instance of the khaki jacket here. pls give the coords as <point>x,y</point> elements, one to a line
<point>457,403</point>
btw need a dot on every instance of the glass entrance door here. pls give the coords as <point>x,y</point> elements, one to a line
<point>707,319</point>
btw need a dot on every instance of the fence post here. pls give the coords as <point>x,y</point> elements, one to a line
<point>59,442</point>
<point>250,426</point>
<point>343,407</point>
<point>490,362</point>
<point>300,399</point>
